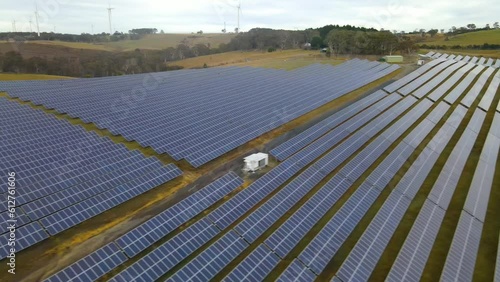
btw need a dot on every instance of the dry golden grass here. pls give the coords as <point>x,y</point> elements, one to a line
<point>287,59</point>
<point>14,76</point>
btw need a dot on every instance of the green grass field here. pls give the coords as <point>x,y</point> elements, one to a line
<point>471,38</point>
<point>13,76</point>
<point>153,41</point>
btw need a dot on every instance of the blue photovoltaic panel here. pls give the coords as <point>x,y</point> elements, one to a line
<point>421,80</point>
<point>476,89</point>
<point>255,267</point>
<point>438,79</point>
<point>447,84</point>
<point>491,91</point>
<point>196,114</point>
<point>327,242</point>
<point>447,181</point>
<point>207,264</point>
<point>412,257</point>
<point>296,272</point>
<point>84,210</point>
<point>463,85</point>
<point>19,217</point>
<point>479,192</point>
<point>286,237</point>
<point>293,145</point>
<point>245,200</point>
<point>159,261</point>
<point>157,227</point>
<point>363,258</point>
<point>410,77</point>
<point>461,259</point>
<point>26,236</point>
<point>91,267</point>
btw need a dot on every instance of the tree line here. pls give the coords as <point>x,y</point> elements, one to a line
<point>103,63</point>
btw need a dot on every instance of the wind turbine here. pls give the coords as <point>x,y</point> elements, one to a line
<point>36,17</point>
<point>109,17</point>
<point>31,28</point>
<point>239,12</point>
<point>14,26</point>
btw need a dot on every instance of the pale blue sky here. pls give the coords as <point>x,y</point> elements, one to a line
<point>209,15</point>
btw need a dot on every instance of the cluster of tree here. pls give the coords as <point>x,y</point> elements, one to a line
<point>103,63</point>
<point>267,39</point>
<point>470,28</point>
<point>134,34</point>
<point>485,46</point>
<point>370,42</point>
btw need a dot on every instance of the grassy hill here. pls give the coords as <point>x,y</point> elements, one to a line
<point>162,41</point>
<point>471,38</point>
<point>153,41</point>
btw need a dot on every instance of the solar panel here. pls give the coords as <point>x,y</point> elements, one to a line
<point>482,181</point>
<point>163,258</point>
<point>196,114</point>
<point>327,242</point>
<point>466,59</point>
<point>238,205</point>
<point>490,93</point>
<point>463,85</point>
<point>459,58</point>
<point>412,257</point>
<point>255,267</point>
<point>474,60</point>
<point>26,236</point>
<point>421,80</point>
<point>438,79</point>
<point>84,210</point>
<point>490,62</point>
<point>363,258</point>
<point>92,266</point>
<point>296,272</point>
<point>159,226</point>
<point>207,264</point>
<point>447,181</point>
<point>283,240</point>
<point>461,259</point>
<point>447,84</point>
<point>293,145</point>
<point>410,77</point>
<point>481,61</point>
<point>497,65</point>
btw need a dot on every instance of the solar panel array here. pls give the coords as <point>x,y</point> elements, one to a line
<point>411,259</point>
<point>353,154</point>
<point>67,174</point>
<point>482,61</point>
<point>461,258</point>
<point>143,236</point>
<point>199,115</point>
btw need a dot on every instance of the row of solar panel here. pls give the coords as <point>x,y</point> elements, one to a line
<point>146,234</point>
<point>424,231</point>
<point>364,256</point>
<point>274,210</point>
<point>256,223</point>
<point>200,265</point>
<point>461,259</point>
<point>488,62</point>
<point>188,235</point>
<point>202,125</point>
<point>67,179</point>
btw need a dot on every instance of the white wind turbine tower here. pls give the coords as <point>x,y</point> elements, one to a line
<point>36,17</point>
<point>239,13</point>
<point>109,17</point>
